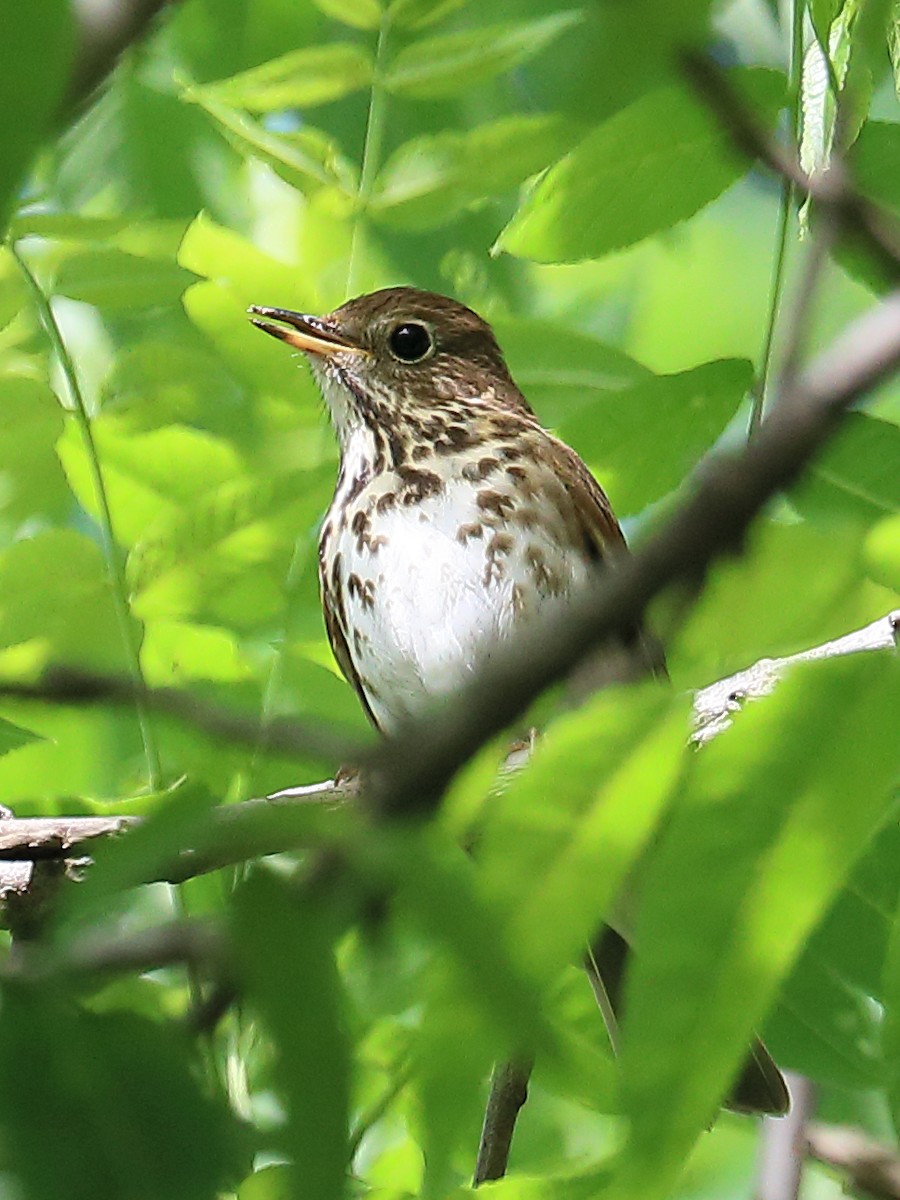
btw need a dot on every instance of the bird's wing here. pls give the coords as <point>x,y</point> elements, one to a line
<point>341,651</point>
<point>603,542</point>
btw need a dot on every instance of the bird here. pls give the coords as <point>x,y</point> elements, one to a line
<point>458,523</point>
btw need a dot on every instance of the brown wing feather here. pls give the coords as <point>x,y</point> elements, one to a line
<point>603,534</point>
<point>341,651</point>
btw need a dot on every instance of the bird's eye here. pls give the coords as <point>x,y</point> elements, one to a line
<point>410,342</point>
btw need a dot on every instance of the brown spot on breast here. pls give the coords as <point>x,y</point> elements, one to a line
<point>418,484</point>
<point>359,482</point>
<point>496,502</point>
<point>526,515</point>
<point>468,531</point>
<point>476,472</point>
<point>396,448</point>
<point>421,451</point>
<point>454,438</point>
<point>500,543</point>
<point>386,502</point>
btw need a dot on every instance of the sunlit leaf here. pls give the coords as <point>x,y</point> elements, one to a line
<point>766,804</point>
<point>882,552</point>
<point>648,167</point>
<point>146,475</point>
<point>301,79</point>
<point>446,65</point>
<point>417,14</point>
<point>305,158</point>
<point>361,14</point>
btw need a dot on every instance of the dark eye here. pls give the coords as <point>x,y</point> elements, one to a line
<point>410,342</point>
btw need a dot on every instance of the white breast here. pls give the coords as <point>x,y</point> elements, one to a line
<point>425,605</point>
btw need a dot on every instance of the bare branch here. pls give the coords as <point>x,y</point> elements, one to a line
<point>869,1166</point>
<point>715,705</point>
<point>105,29</point>
<point>280,735</point>
<point>509,1091</point>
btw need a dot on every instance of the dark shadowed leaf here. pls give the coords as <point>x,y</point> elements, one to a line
<point>38,41</point>
<point>117,1098</point>
<point>285,944</point>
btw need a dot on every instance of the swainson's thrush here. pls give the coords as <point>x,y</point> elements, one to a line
<point>456,522</point>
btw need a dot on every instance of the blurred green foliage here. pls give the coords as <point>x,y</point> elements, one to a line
<point>549,166</point>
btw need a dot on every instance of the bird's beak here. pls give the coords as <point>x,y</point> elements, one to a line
<point>310,334</point>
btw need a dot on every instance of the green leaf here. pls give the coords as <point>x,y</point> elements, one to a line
<point>360,14</point>
<point>759,846</point>
<point>29,468</point>
<point>301,79</point>
<point>192,550</point>
<point>561,370</point>
<point>857,476</point>
<point>55,593</point>
<point>417,14</point>
<point>117,1097</point>
<point>284,939</point>
<point>822,13</point>
<point>644,440</point>
<point>38,42</point>
<point>146,475</point>
<point>874,159</point>
<point>114,280</point>
<point>13,736</point>
<point>882,552</point>
<point>438,67</point>
<point>429,180</point>
<point>648,167</point>
<point>610,769</point>
<point>307,159</point>
<point>781,561</point>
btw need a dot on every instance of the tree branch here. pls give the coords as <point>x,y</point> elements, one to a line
<point>104,31</point>
<point>509,1091</point>
<point>281,822</point>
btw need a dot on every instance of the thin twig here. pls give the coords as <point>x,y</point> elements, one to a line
<point>829,189</point>
<point>281,735</point>
<point>785,211</point>
<point>104,32</point>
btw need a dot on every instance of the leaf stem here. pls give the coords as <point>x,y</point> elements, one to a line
<point>785,208</point>
<point>371,153</point>
<point>114,564</point>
